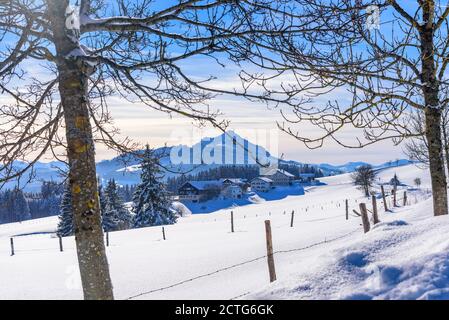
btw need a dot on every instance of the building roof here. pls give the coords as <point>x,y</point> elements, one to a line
<point>233,180</point>
<point>263,179</point>
<point>203,185</point>
<point>274,171</point>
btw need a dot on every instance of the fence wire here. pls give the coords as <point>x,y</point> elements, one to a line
<point>238,265</point>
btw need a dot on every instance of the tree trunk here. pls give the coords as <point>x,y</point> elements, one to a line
<point>366,191</point>
<point>436,163</point>
<point>432,111</point>
<point>446,153</point>
<point>73,88</point>
<point>445,140</point>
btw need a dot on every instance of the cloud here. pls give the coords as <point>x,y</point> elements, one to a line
<point>146,125</point>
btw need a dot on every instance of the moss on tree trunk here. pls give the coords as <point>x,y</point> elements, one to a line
<point>73,88</point>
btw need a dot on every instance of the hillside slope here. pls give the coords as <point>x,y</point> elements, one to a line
<point>322,256</point>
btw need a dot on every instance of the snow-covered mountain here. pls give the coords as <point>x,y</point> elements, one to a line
<point>210,152</point>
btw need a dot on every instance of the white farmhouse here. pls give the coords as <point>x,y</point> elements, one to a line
<point>280,177</point>
<point>197,191</point>
<point>232,191</point>
<point>261,184</point>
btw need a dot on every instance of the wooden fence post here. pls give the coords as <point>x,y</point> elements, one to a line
<point>270,258</point>
<point>365,219</point>
<point>12,246</point>
<point>347,209</point>
<point>163,233</point>
<point>107,239</point>
<point>60,244</point>
<point>375,215</point>
<point>394,197</point>
<point>384,198</point>
<point>232,221</point>
<point>293,217</point>
<point>405,198</point>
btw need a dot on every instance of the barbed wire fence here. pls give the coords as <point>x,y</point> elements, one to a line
<point>325,241</point>
<point>336,203</point>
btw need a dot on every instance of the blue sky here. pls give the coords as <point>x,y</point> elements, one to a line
<point>148,126</point>
<point>145,125</point>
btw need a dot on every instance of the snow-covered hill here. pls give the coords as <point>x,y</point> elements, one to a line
<point>322,256</point>
<point>126,169</point>
<point>406,175</point>
<point>352,166</point>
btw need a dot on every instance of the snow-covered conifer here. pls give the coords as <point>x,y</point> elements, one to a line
<point>65,225</point>
<point>151,203</point>
<point>115,211</point>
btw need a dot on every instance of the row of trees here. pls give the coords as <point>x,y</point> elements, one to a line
<point>151,204</point>
<point>17,205</point>
<point>388,66</point>
<point>113,212</point>
<point>13,206</point>
<point>46,202</point>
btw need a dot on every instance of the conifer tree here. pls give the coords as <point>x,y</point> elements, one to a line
<point>115,210</point>
<point>108,221</point>
<point>65,225</point>
<point>20,206</point>
<point>151,203</point>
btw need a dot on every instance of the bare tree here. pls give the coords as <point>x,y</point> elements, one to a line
<point>417,148</point>
<point>389,69</point>
<point>132,49</point>
<point>417,182</point>
<point>364,177</point>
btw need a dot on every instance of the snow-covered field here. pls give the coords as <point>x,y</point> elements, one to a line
<point>324,256</point>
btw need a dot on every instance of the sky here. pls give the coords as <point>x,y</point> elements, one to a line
<point>155,128</point>
<point>144,125</point>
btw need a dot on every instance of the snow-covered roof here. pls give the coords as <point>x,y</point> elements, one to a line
<point>132,168</point>
<point>263,179</point>
<point>233,180</point>
<point>203,185</point>
<point>273,171</point>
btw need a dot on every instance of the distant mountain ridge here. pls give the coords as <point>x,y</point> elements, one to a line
<point>352,166</point>
<point>125,169</point>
